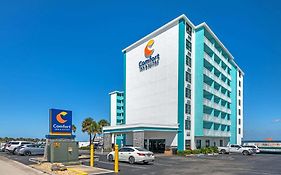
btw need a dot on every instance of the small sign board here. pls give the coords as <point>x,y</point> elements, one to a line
<point>60,122</point>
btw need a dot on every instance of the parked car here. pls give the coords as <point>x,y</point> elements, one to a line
<point>12,146</point>
<point>30,149</point>
<point>232,148</point>
<point>254,147</point>
<point>132,155</point>
<point>2,147</point>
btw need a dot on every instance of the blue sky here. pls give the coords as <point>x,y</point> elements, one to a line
<point>67,54</point>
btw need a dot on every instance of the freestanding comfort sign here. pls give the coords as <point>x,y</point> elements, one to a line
<point>60,122</point>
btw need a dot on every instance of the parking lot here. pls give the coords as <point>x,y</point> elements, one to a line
<point>220,164</point>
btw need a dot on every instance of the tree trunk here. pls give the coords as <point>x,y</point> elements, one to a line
<point>94,138</point>
<point>90,139</point>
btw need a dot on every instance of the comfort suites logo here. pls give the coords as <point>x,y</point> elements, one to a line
<point>60,122</point>
<point>59,117</point>
<point>151,61</point>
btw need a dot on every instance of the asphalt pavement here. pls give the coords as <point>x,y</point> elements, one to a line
<point>233,164</point>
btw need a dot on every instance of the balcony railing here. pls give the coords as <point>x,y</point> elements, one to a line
<point>216,65</point>
<point>212,90</point>
<point>210,118</point>
<point>225,122</point>
<point>216,133</point>
<point>208,103</point>
<point>215,78</point>
<point>215,50</point>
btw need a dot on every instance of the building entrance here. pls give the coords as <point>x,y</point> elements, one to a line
<point>157,145</point>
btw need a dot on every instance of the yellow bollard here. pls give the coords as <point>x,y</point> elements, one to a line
<point>92,156</point>
<point>116,160</point>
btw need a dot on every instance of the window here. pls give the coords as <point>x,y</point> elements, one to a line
<point>239,121</point>
<point>239,102</point>
<point>239,131</point>
<point>188,93</point>
<point>188,29</point>
<point>239,111</point>
<point>188,45</point>
<point>188,61</point>
<point>187,108</point>
<point>187,144</point>
<point>239,83</point>
<point>207,143</point>
<point>221,142</point>
<point>239,93</point>
<point>240,74</point>
<point>198,144</point>
<point>187,124</point>
<point>119,101</point>
<point>188,77</point>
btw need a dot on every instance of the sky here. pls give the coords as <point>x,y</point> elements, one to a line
<point>67,55</point>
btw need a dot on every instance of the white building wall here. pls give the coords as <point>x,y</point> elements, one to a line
<point>239,107</point>
<point>113,108</point>
<point>151,95</point>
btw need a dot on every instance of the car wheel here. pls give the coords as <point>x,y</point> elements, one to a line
<point>145,163</point>
<point>27,153</point>
<point>131,160</point>
<point>223,151</point>
<point>14,151</point>
<point>245,152</point>
<point>110,158</point>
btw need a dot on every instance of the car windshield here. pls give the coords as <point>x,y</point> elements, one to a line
<point>14,143</point>
<point>141,149</point>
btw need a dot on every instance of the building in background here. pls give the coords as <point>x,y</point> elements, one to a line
<point>183,89</point>
<point>117,116</point>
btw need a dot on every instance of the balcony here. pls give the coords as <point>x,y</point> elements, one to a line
<point>208,103</point>
<point>211,118</point>
<point>216,65</point>
<point>208,88</point>
<point>216,133</point>
<point>225,122</point>
<point>216,79</point>
<point>211,90</point>
<point>215,50</point>
<point>225,110</point>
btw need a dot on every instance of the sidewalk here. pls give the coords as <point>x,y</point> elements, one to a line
<point>11,167</point>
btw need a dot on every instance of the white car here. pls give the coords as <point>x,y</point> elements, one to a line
<point>233,148</point>
<point>254,147</point>
<point>13,145</point>
<point>132,155</point>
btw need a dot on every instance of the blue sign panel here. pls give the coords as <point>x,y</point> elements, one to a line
<point>60,122</point>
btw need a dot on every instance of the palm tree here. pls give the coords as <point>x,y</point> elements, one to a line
<point>102,123</point>
<point>74,128</point>
<point>93,128</point>
<point>89,126</point>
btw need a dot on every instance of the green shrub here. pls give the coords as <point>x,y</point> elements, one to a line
<point>196,151</point>
<point>187,152</point>
<point>180,153</point>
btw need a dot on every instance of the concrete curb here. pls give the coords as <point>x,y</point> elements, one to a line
<point>28,167</point>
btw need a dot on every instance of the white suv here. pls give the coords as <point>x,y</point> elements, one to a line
<point>12,146</point>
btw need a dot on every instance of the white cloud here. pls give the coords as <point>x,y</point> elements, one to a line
<point>277,120</point>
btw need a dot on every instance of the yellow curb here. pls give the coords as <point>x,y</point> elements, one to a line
<point>77,171</point>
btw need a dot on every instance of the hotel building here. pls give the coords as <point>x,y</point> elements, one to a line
<point>182,89</point>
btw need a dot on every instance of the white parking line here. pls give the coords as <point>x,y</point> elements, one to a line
<point>122,164</point>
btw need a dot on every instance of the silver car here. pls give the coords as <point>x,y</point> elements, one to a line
<point>31,149</point>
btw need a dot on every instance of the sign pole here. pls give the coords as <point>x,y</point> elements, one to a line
<point>92,156</point>
<point>116,160</point>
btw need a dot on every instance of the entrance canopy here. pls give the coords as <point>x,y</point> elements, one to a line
<point>138,127</point>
